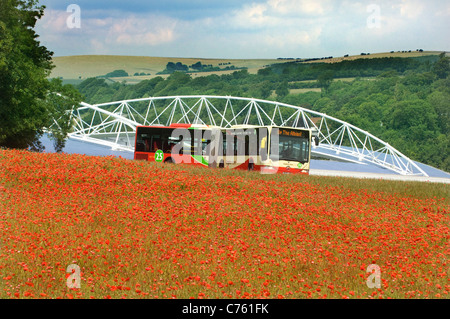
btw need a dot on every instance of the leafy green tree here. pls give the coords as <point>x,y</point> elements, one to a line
<point>175,81</point>
<point>242,74</point>
<point>197,66</point>
<point>282,89</point>
<point>324,79</point>
<point>441,103</point>
<point>442,66</point>
<point>181,67</point>
<point>60,103</point>
<point>24,68</point>
<point>325,105</point>
<point>266,89</point>
<point>29,103</point>
<point>173,67</point>
<point>116,74</point>
<point>265,72</point>
<point>147,86</point>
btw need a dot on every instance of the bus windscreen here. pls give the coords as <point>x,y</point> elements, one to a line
<point>293,145</point>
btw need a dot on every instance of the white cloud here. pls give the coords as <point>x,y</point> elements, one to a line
<point>103,35</point>
<point>279,13</point>
<point>309,7</point>
<point>294,38</point>
<point>411,9</point>
<point>141,30</point>
<point>250,16</point>
<point>276,26</point>
<point>54,20</point>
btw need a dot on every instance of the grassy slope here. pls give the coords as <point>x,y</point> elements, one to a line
<point>379,55</point>
<point>72,67</point>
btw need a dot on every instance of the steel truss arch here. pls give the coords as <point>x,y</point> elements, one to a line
<point>114,124</point>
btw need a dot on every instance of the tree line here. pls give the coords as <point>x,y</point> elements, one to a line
<point>172,67</point>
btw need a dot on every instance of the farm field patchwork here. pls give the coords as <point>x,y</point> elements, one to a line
<point>133,229</point>
<point>85,66</point>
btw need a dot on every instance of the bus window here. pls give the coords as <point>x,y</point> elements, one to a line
<point>263,145</point>
<point>229,143</point>
<point>143,142</point>
<point>156,143</point>
<point>292,146</point>
<point>140,146</point>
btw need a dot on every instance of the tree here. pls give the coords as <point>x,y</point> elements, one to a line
<point>60,102</point>
<point>265,72</point>
<point>324,79</point>
<point>442,66</point>
<point>197,66</point>
<point>170,67</point>
<point>282,89</point>
<point>181,67</point>
<point>24,68</point>
<point>239,75</point>
<point>116,74</point>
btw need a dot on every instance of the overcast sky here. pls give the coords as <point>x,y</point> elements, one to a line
<point>243,28</point>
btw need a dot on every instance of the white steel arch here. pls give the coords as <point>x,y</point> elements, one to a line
<point>114,124</point>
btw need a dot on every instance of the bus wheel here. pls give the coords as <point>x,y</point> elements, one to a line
<point>251,166</point>
<point>169,161</point>
<point>221,164</point>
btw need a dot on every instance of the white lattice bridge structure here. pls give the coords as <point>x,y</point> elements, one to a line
<point>114,124</point>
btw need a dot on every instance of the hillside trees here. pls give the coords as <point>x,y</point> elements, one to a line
<point>442,66</point>
<point>178,66</point>
<point>293,71</point>
<point>409,113</point>
<point>116,74</point>
<point>324,79</point>
<point>282,89</point>
<point>24,67</point>
<point>60,101</point>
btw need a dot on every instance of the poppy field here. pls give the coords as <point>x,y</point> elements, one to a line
<point>76,226</point>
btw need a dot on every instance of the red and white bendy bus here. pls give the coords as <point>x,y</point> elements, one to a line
<point>269,149</point>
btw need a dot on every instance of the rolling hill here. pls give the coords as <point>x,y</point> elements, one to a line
<point>85,66</point>
<point>74,69</point>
